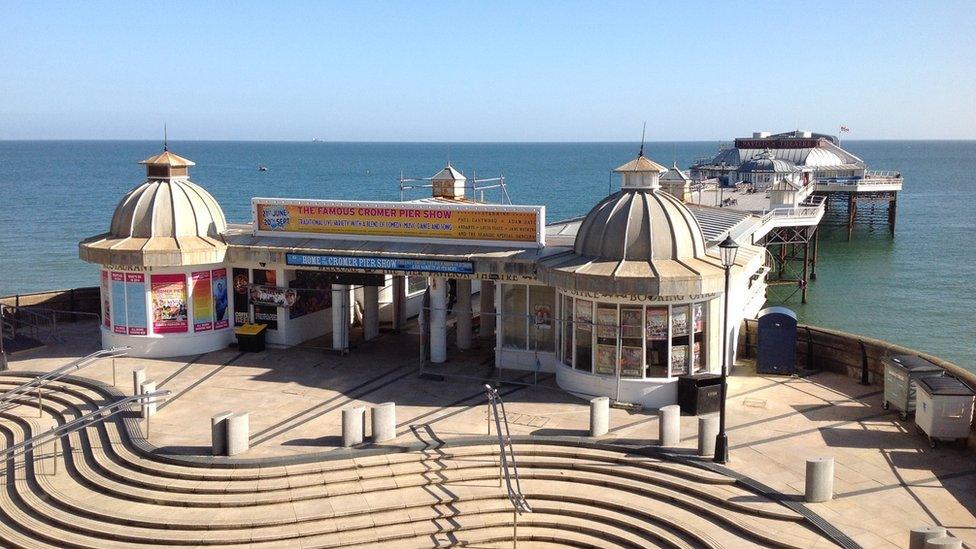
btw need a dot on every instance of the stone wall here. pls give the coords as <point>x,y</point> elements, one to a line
<point>78,300</point>
<point>836,351</point>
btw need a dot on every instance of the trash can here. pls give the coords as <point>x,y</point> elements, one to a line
<point>944,408</point>
<point>700,393</point>
<point>901,373</point>
<point>250,337</point>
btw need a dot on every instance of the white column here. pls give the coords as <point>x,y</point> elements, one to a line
<point>399,302</point>
<point>384,422</point>
<point>438,320</point>
<point>353,425</point>
<point>340,317</point>
<point>462,310</point>
<point>371,312</point>
<point>487,298</point>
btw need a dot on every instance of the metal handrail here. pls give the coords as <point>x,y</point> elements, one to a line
<point>77,424</point>
<point>507,453</point>
<point>40,381</point>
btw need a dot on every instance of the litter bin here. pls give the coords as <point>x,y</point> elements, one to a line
<point>901,374</point>
<point>699,393</point>
<point>250,337</point>
<point>944,409</point>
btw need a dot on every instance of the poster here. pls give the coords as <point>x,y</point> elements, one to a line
<point>679,321</point>
<point>313,293</point>
<point>118,302</point>
<point>169,303</point>
<point>242,313</point>
<point>276,296</point>
<point>135,303</point>
<point>584,314</point>
<point>202,301</point>
<point>679,360</point>
<point>699,309</point>
<point>697,361</point>
<point>542,317</point>
<point>657,324</point>
<point>630,362</point>
<point>630,323</point>
<point>265,314</point>
<point>106,305</point>
<point>520,224</point>
<point>606,320</point>
<point>218,280</point>
<point>606,358</point>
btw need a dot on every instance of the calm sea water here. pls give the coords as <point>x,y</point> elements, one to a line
<point>917,289</point>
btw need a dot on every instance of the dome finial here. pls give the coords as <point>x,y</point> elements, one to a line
<point>165,139</point>
<point>643,132</point>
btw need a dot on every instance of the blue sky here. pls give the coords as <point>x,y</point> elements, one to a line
<point>466,71</point>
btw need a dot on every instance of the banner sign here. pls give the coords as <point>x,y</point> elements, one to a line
<point>272,295</point>
<point>169,303</point>
<point>135,303</point>
<point>405,221</point>
<point>219,282</point>
<point>118,302</point>
<point>106,302</point>
<point>202,301</point>
<point>242,310</point>
<point>380,263</point>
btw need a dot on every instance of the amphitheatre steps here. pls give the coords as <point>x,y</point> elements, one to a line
<point>109,493</point>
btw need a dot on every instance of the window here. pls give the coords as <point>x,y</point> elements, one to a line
<point>542,307</point>
<point>699,361</point>
<point>416,284</point>
<point>679,340</point>
<point>514,319</point>
<point>656,341</point>
<point>607,331</point>
<point>584,335</point>
<point>567,330</point>
<point>631,341</point>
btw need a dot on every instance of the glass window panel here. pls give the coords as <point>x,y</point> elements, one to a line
<point>656,336</point>
<point>584,335</point>
<point>567,331</point>
<point>607,331</point>
<point>631,348</point>
<point>680,340</point>
<point>513,316</point>
<point>542,305</point>
<point>699,361</point>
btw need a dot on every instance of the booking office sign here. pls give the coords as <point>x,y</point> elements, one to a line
<point>479,224</point>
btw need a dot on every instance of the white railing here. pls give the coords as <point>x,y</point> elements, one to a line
<point>809,209</point>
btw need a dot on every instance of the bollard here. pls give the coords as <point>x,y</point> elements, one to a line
<point>384,422</point>
<point>707,431</point>
<point>920,534</point>
<point>599,416</point>
<point>944,542</point>
<point>670,425</point>
<point>138,376</point>
<point>238,433</point>
<point>353,425</point>
<point>148,408</point>
<point>820,480</point>
<point>218,433</point>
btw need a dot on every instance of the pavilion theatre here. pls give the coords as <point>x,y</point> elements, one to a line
<point>620,302</point>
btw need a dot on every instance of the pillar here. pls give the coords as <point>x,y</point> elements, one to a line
<point>819,480</point>
<point>670,425</point>
<point>340,317</point>
<point>488,316</point>
<point>353,425</point>
<point>944,542</point>
<point>438,320</point>
<point>218,433</point>
<point>138,376</point>
<point>371,312</point>
<point>399,302</point>
<point>599,416</point>
<point>919,535</point>
<point>148,408</point>
<point>707,431</point>
<point>384,422</point>
<point>238,433</point>
<point>462,310</point>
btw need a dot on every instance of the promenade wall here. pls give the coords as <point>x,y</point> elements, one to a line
<point>850,354</point>
<point>77,300</point>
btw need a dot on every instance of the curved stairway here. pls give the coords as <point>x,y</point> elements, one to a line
<point>110,490</point>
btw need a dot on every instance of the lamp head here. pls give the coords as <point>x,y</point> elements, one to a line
<point>728,249</point>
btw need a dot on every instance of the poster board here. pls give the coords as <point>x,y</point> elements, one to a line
<point>218,279</point>
<point>135,303</point>
<point>202,296</point>
<point>106,301</point>
<point>169,303</point>
<point>118,303</point>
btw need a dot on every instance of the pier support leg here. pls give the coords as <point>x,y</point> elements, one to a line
<point>806,266</point>
<point>438,320</point>
<point>463,312</point>
<point>851,212</point>
<point>816,246</point>
<point>892,212</point>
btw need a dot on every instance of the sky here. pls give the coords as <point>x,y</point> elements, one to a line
<point>480,71</point>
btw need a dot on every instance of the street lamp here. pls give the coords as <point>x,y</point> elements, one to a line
<point>728,249</point>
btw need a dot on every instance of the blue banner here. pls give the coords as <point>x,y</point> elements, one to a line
<point>135,303</point>
<point>380,263</point>
<point>118,303</point>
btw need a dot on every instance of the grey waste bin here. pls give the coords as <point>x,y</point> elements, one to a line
<point>944,409</point>
<point>901,374</point>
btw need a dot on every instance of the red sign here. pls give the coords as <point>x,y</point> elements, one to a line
<point>169,303</point>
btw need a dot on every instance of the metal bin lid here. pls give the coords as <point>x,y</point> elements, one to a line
<point>944,385</point>
<point>913,363</point>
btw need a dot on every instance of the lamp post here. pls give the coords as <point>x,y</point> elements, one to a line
<point>728,249</point>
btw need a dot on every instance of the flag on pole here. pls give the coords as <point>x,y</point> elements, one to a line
<point>844,129</point>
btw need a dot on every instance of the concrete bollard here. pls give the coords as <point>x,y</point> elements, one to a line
<point>820,480</point>
<point>148,408</point>
<point>599,416</point>
<point>670,425</point>
<point>218,433</point>
<point>353,425</point>
<point>707,431</point>
<point>384,422</point>
<point>944,542</point>
<point>138,376</point>
<point>238,433</point>
<point>920,534</point>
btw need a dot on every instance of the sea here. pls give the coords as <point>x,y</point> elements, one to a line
<point>916,288</point>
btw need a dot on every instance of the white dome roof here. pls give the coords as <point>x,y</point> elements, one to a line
<point>166,221</point>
